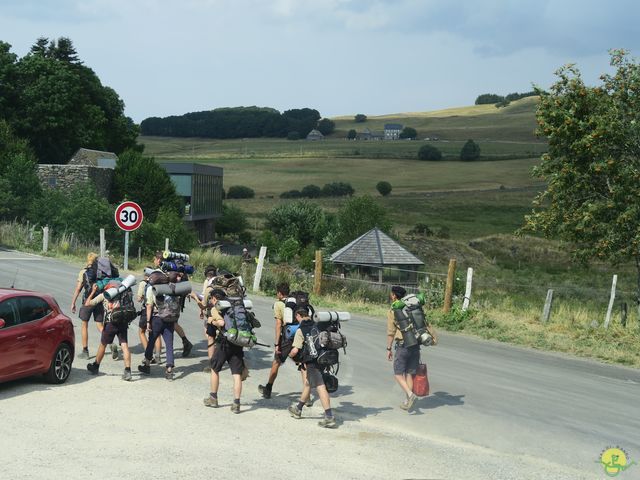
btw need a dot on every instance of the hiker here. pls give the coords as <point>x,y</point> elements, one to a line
<point>142,323</point>
<point>186,344</point>
<point>282,346</point>
<point>202,300</point>
<point>225,352</point>
<point>312,373</point>
<point>86,312</point>
<point>406,360</point>
<point>162,312</point>
<point>112,327</point>
<point>246,256</point>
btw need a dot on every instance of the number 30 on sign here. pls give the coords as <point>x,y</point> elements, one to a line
<point>129,216</point>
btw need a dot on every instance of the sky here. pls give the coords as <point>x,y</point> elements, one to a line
<point>340,57</point>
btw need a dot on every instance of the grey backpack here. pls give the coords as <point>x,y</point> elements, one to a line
<point>169,307</point>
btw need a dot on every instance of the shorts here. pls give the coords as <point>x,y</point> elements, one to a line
<point>314,375</point>
<point>142,323</point>
<point>406,360</point>
<point>97,311</point>
<point>109,333</point>
<point>285,349</point>
<point>228,353</point>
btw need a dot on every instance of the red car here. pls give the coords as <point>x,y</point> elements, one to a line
<point>35,337</point>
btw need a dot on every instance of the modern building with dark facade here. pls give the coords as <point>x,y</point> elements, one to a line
<point>200,187</point>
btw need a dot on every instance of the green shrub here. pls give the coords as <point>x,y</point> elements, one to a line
<point>233,220</point>
<point>337,189</point>
<point>293,136</point>
<point>311,191</point>
<point>429,153</point>
<point>384,188</point>
<point>470,151</point>
<point>240,191</point>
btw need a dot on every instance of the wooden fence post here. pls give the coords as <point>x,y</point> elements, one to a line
<point>607,319</point>
<point>317,276</point>
<point>623,314</point>
<point>448,291</point>
<point>103,243</point>
<point>258,275</point>
<point>45,239</point>
<point>139,254</point>
<point>467,290</point>
<point>548,303</point>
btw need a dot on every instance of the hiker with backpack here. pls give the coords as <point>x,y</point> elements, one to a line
<point>98,270</point>
<point>282,345</point>
<point>229,349</point>
<point>143,322</point>
<point>305,353</point>
<point>187,346</point>
<point>406,338</point>
<point>119,311</point>
<point>203,302</point>
<point>85,312</point>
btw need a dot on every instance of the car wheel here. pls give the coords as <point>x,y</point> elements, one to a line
<point>60,368</point>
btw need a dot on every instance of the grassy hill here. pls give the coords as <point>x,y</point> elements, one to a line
<point>492,196</point>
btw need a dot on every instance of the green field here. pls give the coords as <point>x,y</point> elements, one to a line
<point>491,195</point>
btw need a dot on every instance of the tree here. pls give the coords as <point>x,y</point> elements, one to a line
<point>19,183</point>
<point>429,152</point>
<point>139,178</point>
<point>337,189</point>
<point>593,164</point>
<point>326,126</point>
<point>384,188</point>
<point>352,134</point>
<point>488,98</point>
<point>470,151</point>
<point>240,191</point>
<point>233,220</point>
<point>357,215</point>
<point>409,132</point>
<point>360,118</point>
<point>303,221</point>
<point>293,135</point>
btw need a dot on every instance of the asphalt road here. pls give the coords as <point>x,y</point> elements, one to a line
<point>495,411</point>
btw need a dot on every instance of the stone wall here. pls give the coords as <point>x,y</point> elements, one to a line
<point>66,176</point>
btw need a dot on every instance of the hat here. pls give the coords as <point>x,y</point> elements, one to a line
<point>245,250</point>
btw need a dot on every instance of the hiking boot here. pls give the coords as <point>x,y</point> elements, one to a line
<point>93,368</point>
<point>154,361</point>
<point>168,374</point>
<point>84,354</point>
<point>265,391</point>
<point>235,407</point>
<point>211,402</point>
<point>408,403</point>
<point>145,369</point>
<point>309,403</point>
<point>126,376</point>
<point>295,411</point>
<point>186,347</point>
<point>114,352</point>
<point>328,422</point>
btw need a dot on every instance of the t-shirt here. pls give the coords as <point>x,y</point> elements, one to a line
<point>278,310</point>
<point>392,328</point>
<point>140,293</point>
<point>298,339</point>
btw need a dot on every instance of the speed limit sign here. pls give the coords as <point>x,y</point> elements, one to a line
<point>128,216</point>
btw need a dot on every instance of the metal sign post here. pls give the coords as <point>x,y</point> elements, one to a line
<point>126,250</point>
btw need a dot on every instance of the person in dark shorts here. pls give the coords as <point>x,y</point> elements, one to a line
<point>225,352</point>
<point>108,335</point>
<point>311,374</point>
<point>82,285</point>
<point>405,363</point>
<point>282,345</point>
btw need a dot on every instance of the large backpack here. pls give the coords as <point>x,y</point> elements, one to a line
<point>238,325</point>
<point>321,346</point>
<point>230,284</point>
<point>169,307</point>
<point>100,269</point>
<point>295,301</point>
<point>120,310</point>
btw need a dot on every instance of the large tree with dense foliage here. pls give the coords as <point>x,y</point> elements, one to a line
<point>592,168</point>
<point>139,178</point>
<point>58,104</point>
